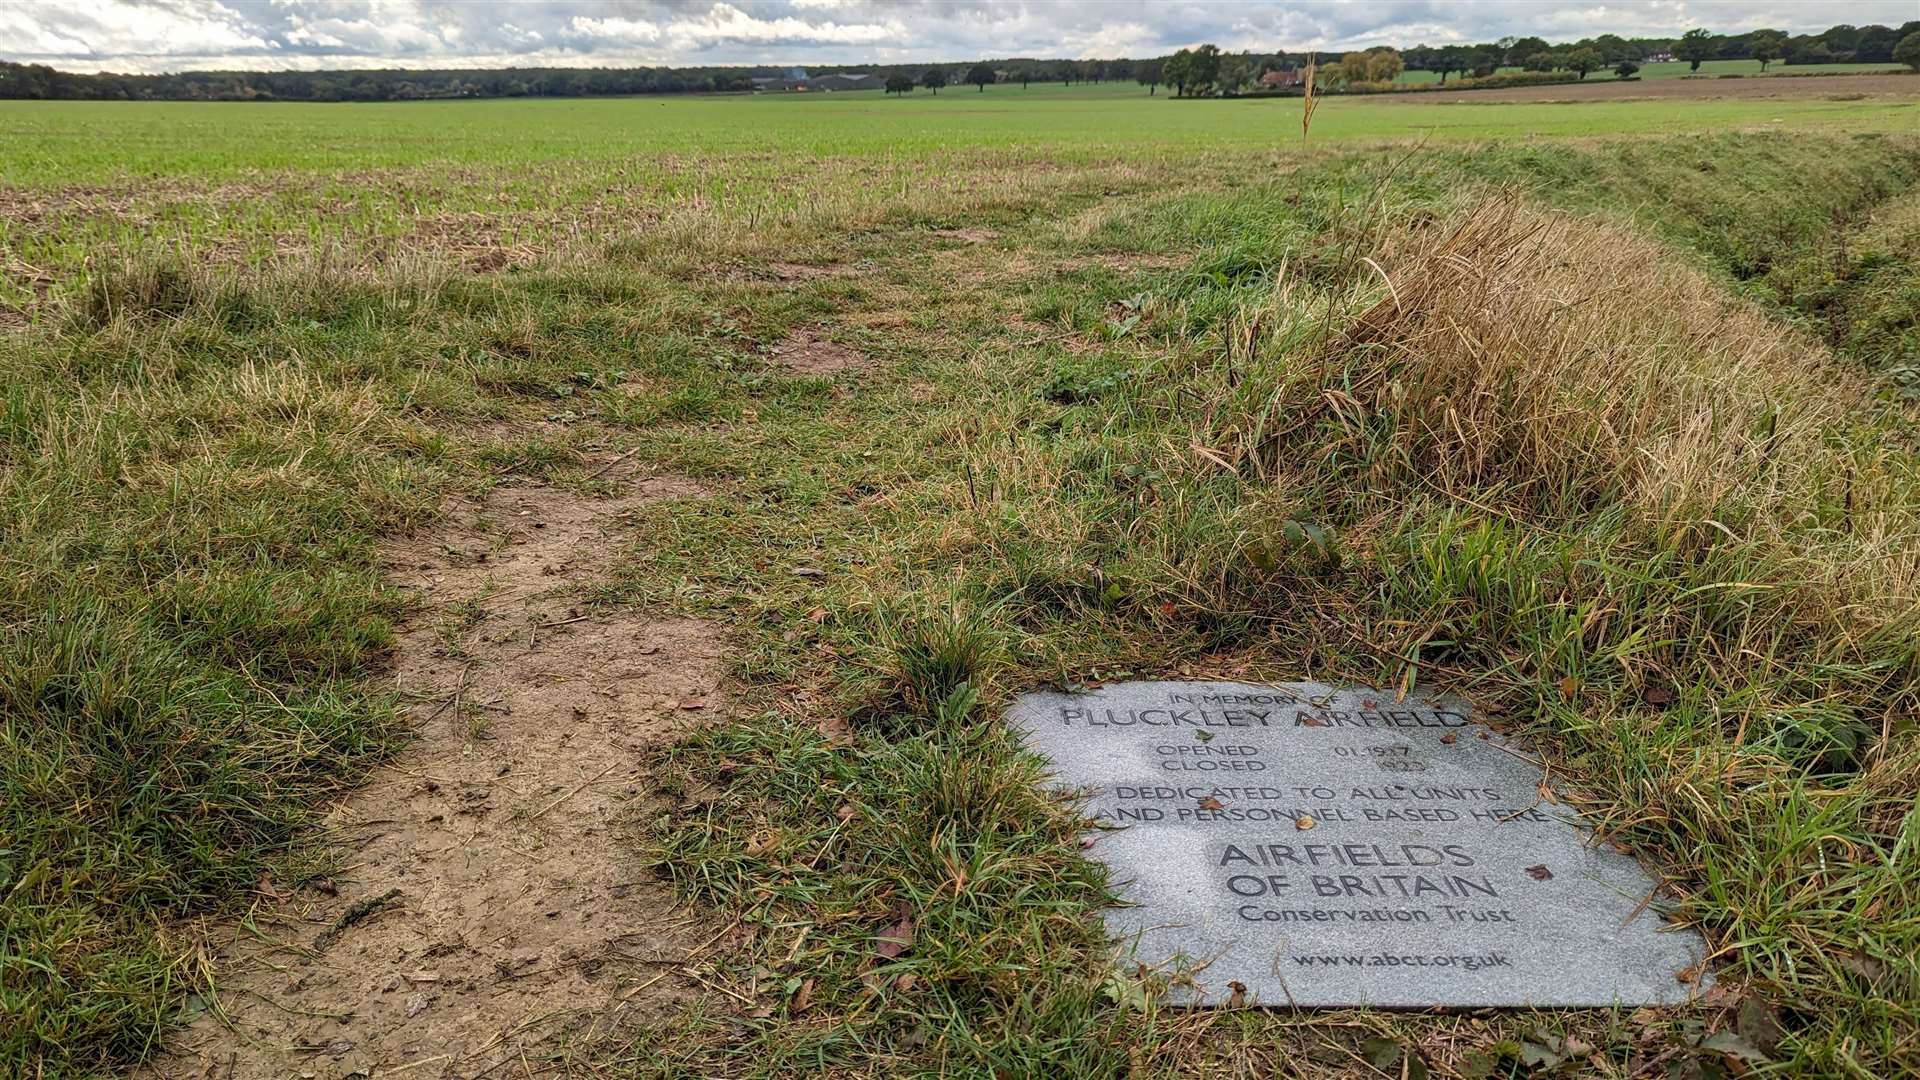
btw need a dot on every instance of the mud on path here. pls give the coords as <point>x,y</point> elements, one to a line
<point>487,903</point>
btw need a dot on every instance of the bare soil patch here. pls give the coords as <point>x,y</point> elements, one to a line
<point>970,234</point>
<point>488,902</point>
<point>805,352</point>
<point>1765,86</point>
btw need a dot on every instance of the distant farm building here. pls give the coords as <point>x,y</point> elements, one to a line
<point>1280,80</point>
<point>852,80</point>
<point>798,81</point>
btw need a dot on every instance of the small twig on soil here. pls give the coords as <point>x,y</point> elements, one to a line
<point>696,977</point>
<point>628,996</point>
<point>703,946</point>
<point>357,913</point>
<point>564,622</point>
<point>577,789</point>
<point>596,474</point>
<point>452,699</point>
<point>508,1033</point>
<point>398,1069</point>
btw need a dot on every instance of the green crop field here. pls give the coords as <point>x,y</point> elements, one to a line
<point>884,410</point>
<point>60,144</point>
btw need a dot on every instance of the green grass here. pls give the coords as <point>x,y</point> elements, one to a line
<point>244,184</point>
<point>200,457</point>
<point>61,143</point>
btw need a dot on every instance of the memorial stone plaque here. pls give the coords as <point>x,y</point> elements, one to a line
<point>1324,846</point>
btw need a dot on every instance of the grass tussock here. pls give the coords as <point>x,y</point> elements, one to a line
<point>941,659</point>
<point>1494,365</point>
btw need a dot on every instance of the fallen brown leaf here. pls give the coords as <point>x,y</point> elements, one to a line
<point>1539,872</point>
<point>897,936</point>
<point>265,888</point>
<point>1866,967</point>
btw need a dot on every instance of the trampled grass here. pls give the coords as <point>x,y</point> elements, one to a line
<point>1660,530</point>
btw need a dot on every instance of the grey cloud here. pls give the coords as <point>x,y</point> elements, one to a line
<point>159,35</point>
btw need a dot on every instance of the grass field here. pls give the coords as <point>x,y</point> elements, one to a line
<point>246,184</point>
<point>1602,412</point>
<point>83,143</point>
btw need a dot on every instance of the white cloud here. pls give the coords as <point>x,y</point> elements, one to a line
<point>724,23</point>
<point>160,35</point>
<point>616,29</point>
<point>109,28</point>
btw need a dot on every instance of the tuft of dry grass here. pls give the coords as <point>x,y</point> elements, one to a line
<point>1495,358</point>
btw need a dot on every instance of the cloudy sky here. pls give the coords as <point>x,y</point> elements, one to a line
<point>174,35</point>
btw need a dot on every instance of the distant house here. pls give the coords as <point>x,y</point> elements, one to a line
<point>1660,58</point>
<point>1280,80</point>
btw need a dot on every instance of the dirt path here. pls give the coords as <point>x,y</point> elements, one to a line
<point>488,903</point>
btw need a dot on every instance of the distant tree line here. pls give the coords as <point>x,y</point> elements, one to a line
<point>40,82</point>
<point>1201,71</point>
<point>1835,45</point>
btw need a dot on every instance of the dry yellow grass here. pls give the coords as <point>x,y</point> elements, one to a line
<point>1565,362</point>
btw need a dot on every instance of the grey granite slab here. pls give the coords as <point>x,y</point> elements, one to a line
<point>1326,846</point>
